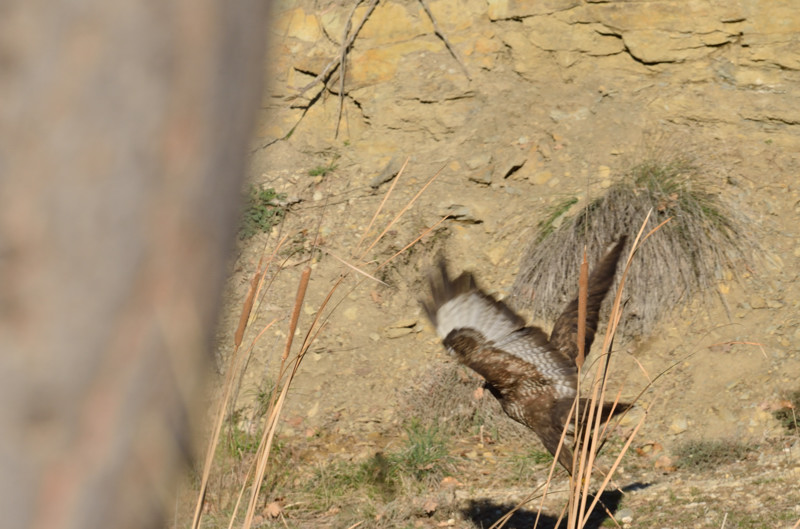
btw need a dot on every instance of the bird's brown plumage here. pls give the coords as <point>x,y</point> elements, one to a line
<point>532,376</point>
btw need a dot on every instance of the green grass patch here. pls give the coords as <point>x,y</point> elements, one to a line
<point>262,211</point>
<point>553,219</point>
<point>425,454</point>
<point>422,461</point>
<point>526,467</point>
<point>323,170</point>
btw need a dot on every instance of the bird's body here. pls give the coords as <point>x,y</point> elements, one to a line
<point>533,376</point>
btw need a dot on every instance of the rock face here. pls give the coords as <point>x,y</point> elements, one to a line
<point>558,97</point>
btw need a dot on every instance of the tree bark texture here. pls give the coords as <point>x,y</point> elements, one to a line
<point>123,127</point>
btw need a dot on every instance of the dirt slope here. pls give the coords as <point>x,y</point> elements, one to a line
<point>538,105</point>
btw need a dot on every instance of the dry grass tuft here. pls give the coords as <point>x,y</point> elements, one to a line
<point>452,397</point>
<point>709,454</point>
<point>705,237</point>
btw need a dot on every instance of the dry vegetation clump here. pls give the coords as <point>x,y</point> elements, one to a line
<point>710,454</point>
<point>452,397</point>
<point>704,238</point>
<point>786,414</point>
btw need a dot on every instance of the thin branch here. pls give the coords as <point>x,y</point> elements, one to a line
<point>444,39</point>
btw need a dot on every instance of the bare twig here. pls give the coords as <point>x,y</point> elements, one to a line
<point>441,35</point>
<point>336,61</point>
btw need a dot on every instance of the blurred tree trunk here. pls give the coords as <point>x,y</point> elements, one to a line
<point>123,128</point>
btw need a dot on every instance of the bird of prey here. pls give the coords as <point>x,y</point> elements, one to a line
<point>533,376</point>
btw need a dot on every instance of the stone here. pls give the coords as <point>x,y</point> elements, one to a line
<point>679,425</point>
<point>389,172</point>
<point>482,176</point>
<point>496,254</point>
<point>624,515</point>
<point>655,46</point>
<point>397,332</point>
<point>505,9</point>
<point>527,57</point>
<point>391,23</point>
<point>554,35</point>
<point>478,161</point>
<point>405,322</point>
<point>299,25</point>
<point>757,302</point>
<point>509,163</point>
<point>461,213</point>
<point>377,65</point>
<point>454,15</point>
<point>541,177</point>
<point>351,313</point>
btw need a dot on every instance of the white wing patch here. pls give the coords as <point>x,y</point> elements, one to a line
<point>474,311</point>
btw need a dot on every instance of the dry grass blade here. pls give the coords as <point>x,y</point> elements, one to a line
<point>594,431</point>
<point>380,208</point>
<point>593,435</point>
<point>247,308</point>
<point>412,243</point>
<point>353,267</point>
<point>301,294</point>
<point>233,368</point>
<point>757,344</point>
<point>614,467</point>
<point>257,468</point>
<point>403,210</point>
<point>262,455</point>
<point>583,297</point>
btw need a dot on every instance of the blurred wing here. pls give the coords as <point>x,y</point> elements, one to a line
<point>459,303</point>
<point>519,368</point>
<point>484,333</point>
<point>565,330</point>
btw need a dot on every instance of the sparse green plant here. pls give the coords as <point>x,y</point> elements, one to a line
<point>787,414</point>
<point>525,466</point>
<point>425,454</point>
<point>423,459</point>
<point>238,442</point>
<point>263,397</point>
<point>323,170</point>
<point>706,455</point>
<point>552,221</point>
<point>262,211</point>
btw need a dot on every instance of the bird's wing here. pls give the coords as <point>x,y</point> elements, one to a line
<point>481,331</point>
<point>460,303</point>
<point>528,390</point>
<point>565,330</point>
<point>518,368</point>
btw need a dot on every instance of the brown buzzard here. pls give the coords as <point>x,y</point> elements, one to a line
<point>534,377</point>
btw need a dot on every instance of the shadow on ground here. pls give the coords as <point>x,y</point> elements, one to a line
<point>484,513</point>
